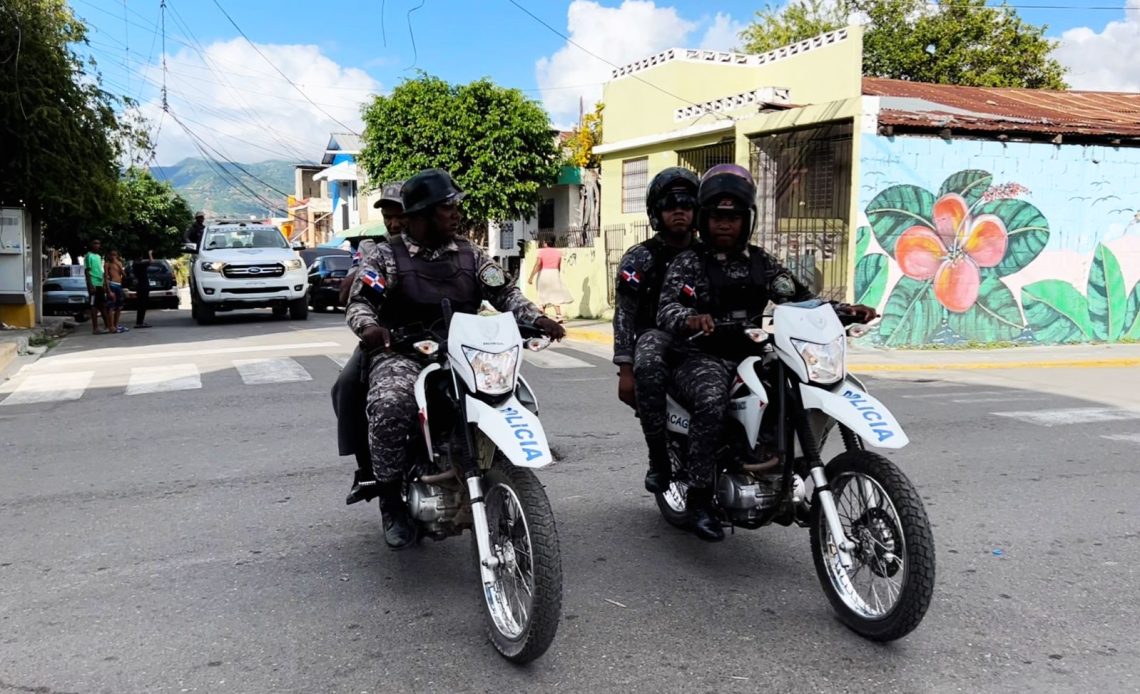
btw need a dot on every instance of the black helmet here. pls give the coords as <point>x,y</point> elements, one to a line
<point>673,178</point>
<point>727,181</point>
<point>390,194</point>
<point>429,187</point>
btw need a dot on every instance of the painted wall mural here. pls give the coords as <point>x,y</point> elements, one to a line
<point>975,258</point>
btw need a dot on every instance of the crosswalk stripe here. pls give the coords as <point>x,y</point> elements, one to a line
<point>50,388</point>
<point>279,370</point>
<point>163,379</point>
<point>552,359</point>
<point>1075,415</point>
<point>1128,438</point>
<point>339,359</point>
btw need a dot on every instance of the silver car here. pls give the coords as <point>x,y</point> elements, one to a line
<point>67,296</point>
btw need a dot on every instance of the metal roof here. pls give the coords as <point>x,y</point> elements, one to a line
<point>1001,109</point>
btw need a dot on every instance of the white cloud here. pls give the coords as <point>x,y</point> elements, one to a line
<point>623,34</point>
<point>238,104</point>
<point>724,34</point>
<point>1104,60</point>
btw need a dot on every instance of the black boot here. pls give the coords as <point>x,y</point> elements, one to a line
<point>660,469</point>
<point>364,487</point>
<point>399,529</point>
<point>705,523</point>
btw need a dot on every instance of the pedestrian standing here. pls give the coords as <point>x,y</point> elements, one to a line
<point>96,286</point>
<point>116,296</point>
<point>548,267</point>
<point>140,270</point>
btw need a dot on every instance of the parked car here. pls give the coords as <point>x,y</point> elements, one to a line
<point>163,287</point>
<point>66,271</point>
<point>310,255</point>
<point>66,296</point>
<point>325,277</point>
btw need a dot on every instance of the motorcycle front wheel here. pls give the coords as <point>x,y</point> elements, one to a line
<point>524,603</point>
<point>887,590</point>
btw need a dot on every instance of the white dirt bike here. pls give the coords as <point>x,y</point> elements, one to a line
<point>481,439</point>
<point>871,540</point>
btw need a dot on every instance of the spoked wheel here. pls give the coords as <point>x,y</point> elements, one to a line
<point>525,601</point>
<point>885,593</point>
<point>673,503</point>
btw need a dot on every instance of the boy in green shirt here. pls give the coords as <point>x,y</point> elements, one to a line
<point>96,286</point>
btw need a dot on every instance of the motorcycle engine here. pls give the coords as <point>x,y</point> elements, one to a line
<point>746,496</point>
<point>433,505</point>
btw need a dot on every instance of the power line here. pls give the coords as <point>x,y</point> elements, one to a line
<point>278,70</point>
<point>412,34</point>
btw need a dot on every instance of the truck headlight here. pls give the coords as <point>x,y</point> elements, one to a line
<point>294,264</point>
<point>212,266</point>
<point>825,363</point>
<point>494,371</point>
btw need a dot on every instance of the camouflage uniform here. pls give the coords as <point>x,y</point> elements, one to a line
<point>703,379</point>
<point>636,340</point>
<point>391,401</point>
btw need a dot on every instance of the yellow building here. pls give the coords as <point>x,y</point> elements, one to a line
<point>789,115</point>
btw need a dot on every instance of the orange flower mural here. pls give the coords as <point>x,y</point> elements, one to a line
<point>952,253</point>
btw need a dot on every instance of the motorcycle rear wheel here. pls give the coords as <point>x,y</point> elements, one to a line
<point>882,513</point>
<point>524,605</point>
<point>673,503</point>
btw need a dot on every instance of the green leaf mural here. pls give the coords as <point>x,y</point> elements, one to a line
<point>862,241</point>
<point>870,279</point>
<point>1056,312</point>
<point>970,184</point>
<point>994,318</point>
<point>1132,315</point>
<point>912,314</point>
<point>1027,233</point>
<point>1107,296</point>
<point>895,210</point>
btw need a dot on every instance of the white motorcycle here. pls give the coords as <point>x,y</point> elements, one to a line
<point>871,540</point>
<point>481,439</point>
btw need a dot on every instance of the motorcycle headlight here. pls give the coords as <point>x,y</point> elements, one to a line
<point>494,371</point>
<point>294,264</point>
<point>825,363</point>
<point>212,266</point>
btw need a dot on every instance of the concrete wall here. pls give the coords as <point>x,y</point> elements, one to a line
<point>1046,247</point>
<point>583,274</point>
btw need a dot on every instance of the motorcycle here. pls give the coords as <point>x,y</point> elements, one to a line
<point>473,470</point>
<point>871,541</point>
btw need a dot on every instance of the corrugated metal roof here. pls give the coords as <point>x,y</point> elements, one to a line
<point>999,109</point>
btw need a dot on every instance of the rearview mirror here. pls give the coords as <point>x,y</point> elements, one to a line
<point>189,248</point>
<point>298,246</point>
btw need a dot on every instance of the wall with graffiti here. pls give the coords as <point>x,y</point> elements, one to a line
<point>968,241</point>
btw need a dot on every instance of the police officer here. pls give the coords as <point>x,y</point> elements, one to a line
<point>726,279</point>
<point>196,229</point>
<point>639,347</point>
<point>348,393</point>
<point>402,284</point>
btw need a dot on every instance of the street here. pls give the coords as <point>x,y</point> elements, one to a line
<point>172,520</point>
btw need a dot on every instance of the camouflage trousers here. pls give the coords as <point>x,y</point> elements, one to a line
<point>651,377</point>
<point>703,383</point>
<point>391,412</point>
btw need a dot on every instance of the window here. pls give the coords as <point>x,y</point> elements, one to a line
<point>701,159</point>
<point>546,214</point>
<point>634,181</point>
<point>506,235</point>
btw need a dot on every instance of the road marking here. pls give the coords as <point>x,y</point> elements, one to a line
<point>260,371</point>
<point>1129,438</point>
<point>136,355</point>
<point>947,395</point>
<point>1007,398</point>
<point>551,359</point>
<point>50,388</point>
<point>1075,415</point>
<point>163,379</point>
<point>340,359</point>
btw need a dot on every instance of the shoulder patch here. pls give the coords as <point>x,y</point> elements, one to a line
<point>783,285</point>
<point>492,275</point>
<point>373,280</point>
<point>630,276</point>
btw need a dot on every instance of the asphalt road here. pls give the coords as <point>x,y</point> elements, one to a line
<point>195,540</point>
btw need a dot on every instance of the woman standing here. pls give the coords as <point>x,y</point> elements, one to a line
<point>548,267</point>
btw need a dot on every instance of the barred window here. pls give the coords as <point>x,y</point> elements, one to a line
<point>634,181</point>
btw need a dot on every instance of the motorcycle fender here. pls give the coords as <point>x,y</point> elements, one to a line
<point>514,429</point>
<point>863,414</point>
<point>421,405</point>
<point>676,417</point>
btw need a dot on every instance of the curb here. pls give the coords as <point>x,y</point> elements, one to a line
<point>585,335</point>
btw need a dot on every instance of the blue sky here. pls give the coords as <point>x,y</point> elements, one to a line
<point>233,100</point>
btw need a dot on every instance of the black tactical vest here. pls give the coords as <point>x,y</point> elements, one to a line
<point>421,285</point>
<point>649,291</point>
<point>733,299</point>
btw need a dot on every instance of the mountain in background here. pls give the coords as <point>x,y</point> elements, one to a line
<point>205,188</point>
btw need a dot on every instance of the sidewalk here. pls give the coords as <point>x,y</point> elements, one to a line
<point>869,360</point>
<point>14,343</point>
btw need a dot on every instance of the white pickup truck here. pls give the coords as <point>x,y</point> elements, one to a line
<point>247,265</point>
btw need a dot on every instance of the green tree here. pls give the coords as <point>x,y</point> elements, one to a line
<point>60,134</point>
<point>496,142</point>
<point>152,217</point>
<point>961,42</point>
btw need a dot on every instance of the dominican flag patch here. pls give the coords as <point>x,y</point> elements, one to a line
<point>356,259</point>
<point>631,277</point>
<point>373,280</point>
<point>689,291</point>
